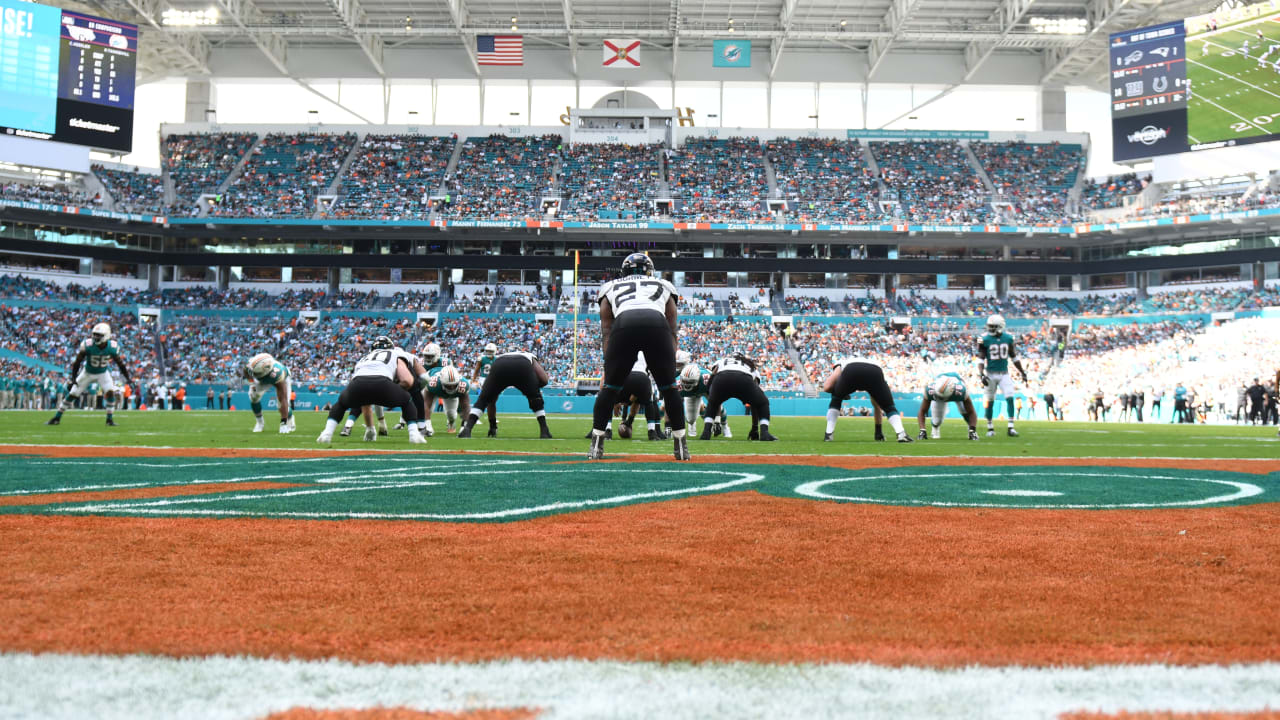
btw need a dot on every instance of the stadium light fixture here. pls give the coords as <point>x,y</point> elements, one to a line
<point>174,17</point>
<point>1059,25</point>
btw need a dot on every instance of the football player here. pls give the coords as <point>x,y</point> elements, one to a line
<point>96,354</point>
<point>478,375</point>
<point>264,374</point>
<point>638,314</point>
<point>448,386</point>
<point>432,360</point>
<point>946,388</point>
<point>382,377</point>
<point>735,377</point>
<point>637,391</point>
<point>520,370</point>
<point>995,351</point>
<point>695,385</point>
<point>853,374</point>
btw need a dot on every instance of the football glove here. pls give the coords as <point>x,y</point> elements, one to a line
<point>879,434</point>
<point>984,379</point>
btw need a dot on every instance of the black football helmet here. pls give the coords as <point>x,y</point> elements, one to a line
<point>382,342</point>
<point>637,264</point>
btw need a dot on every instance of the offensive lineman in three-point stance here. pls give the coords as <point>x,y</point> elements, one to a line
<point>638,314</point>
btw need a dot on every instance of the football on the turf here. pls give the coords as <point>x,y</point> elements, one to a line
<point>624,432</point>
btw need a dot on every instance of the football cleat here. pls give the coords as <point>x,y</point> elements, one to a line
<point>54,421</point>
<point>653,435</point>
<point>716,429</point>
<point>923,435</point>
<point>1013,433</point>
<point>728,434</point>
<point>973,434</point>
<point>754,434</point>
<point>287,426</point>
<point>111,423</point>
<point>415,437</point>
<point>258,425</point>
<point>766,436</point>
<point>879,435</point>
<point>465,433</point>
<point>326,438</point>
<point>904,438</point>
<point>493,431</point>
<point>706,433</point>
<point>545,434</point>
<point>681,448</point>
<point>370,435</point>
<point>991,433</point>
<point>597,447</point>
<point>382,427</point>
<point>345,432</point>
<point>936,434</point>
<point>826,437</point>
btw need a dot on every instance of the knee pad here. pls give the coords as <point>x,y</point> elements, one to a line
<point>536,403</point>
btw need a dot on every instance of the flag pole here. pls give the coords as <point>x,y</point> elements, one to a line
<point>576,303</point>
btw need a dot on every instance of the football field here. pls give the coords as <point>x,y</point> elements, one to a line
<point>180,565</point>
<point>1233,96</point>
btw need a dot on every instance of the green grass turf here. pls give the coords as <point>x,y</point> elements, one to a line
<point>799,436</point>
<point>1232,97</point>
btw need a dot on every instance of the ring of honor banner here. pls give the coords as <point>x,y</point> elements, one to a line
<point>66,76</point>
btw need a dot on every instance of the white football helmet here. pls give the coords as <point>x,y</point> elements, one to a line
<point>490,350</point>
<point>260,365</point>
<point>943,387</point>
<point>449,378</point>
<point>682,359</point>
<point>690,376</point>
<point>995,324</point>
<point>430,353</point>
<point>101,334</point>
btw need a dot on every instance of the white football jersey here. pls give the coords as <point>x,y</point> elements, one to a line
<point>637,292</point>
<point>733,364</point>
<point>382,363</point>
<point>640,365</point>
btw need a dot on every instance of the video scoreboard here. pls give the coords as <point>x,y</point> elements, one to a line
<point>66,76</point>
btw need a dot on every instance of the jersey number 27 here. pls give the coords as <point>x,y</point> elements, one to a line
<point>628,290</point>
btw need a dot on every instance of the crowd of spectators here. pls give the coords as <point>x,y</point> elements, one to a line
<point>54,334</point>
<point>1110,192</point>
<point>914,303</point>
<point>1034,179</point>
<point>393,177</point>
<point>479,302</point>
<point>719,180</point>
<point>413,300</point>
<point>934,182</point>
<point>1202,300</point>
<point>198,164</point>
<point>608,181</point>
<point>284,175</point>
<point>808,305</point>
<point>824,180</point>
<point>707,341</point>
<point>47,193</point>
<point>528,301</point>
<point>133,191</point>
<point>502,177</point>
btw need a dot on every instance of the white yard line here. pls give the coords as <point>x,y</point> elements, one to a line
<point>139,687</point>
<point>1233,77</point>
<point>1246,120</point>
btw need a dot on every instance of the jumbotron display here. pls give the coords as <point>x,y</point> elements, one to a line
<point>1196,84</point>
<point>66,76</point>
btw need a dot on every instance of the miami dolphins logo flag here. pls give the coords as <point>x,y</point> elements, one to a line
<point>731,53</point>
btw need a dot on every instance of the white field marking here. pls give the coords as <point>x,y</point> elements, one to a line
<point>251,478</point>
<point>141,687</point>
<point>1243,490</point>
<point>1243,82</point>
<point>1023,493</point>
<point>150,509</point>
<point>125,462</point>
<point>1246,120</point>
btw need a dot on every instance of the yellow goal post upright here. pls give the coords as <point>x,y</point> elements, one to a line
<point>577,302</point>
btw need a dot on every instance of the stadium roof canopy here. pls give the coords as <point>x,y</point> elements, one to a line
<point>922,41</point>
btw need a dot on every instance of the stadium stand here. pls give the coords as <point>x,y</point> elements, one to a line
<point>824,180</point>
<point>284,175</point>
<point>393,178</point>
<point>719,180</point>
<point>133,191</point>
<point>1110,192</point>
<point>198,164</point>
<point>1034,178</point>
<point>608,181</point>
<point>50,193</point>
<point>934,181</point>
<point>502,177</point>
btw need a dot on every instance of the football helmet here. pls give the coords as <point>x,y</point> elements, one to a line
<point>449,378</point>
<point>101,334</point>
<point>690,376</point>
<point>430,353</point>
<point>261,364</point>
<point>995,325</point>
<point>943,387</point>
<point>490,350</point>
<point>637,264</point>
<point>683,358</point>
<point>382,342</point>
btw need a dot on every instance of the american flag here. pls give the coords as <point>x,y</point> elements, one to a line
<point>500,50</point>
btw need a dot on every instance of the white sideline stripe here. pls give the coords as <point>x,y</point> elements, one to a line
<point>140,687</point>
<point>150,508</point>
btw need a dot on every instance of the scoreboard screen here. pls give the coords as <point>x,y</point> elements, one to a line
<point>1196,84</point>
<point>66,76</point>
